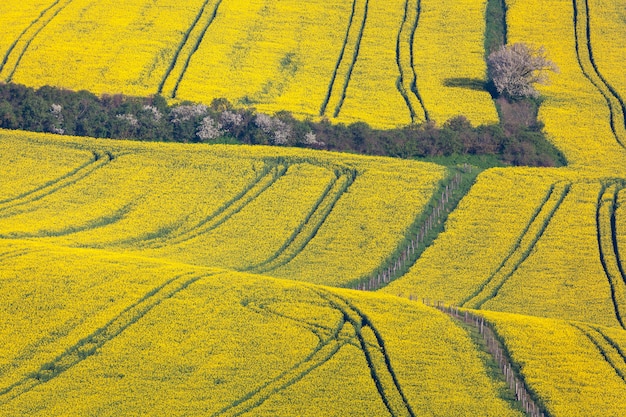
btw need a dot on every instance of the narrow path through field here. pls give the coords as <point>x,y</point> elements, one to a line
<point>187,48</point>
<point>608,247</point>
<point>584,52</point>
<point>18,48</point>
<point>522,248</point>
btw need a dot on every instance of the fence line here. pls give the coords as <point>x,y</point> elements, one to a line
<point>515,383</point>
<point>397,267</point>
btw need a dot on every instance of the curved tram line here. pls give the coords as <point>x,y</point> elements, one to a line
<point>608,247</point>
<point>404,50</point>
<point>96,340</point>
<point>306,231</point>
<point>523,247</point>
<point>354,328</point>
<point>205,14</point>
<point>584,53</point>
<point>341,63</point>
<point>27,36</point>
<point>260,184</point>
<point>99,160</point>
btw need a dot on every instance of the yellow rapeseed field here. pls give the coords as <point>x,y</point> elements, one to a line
<point>318,217</point>
<point>574,368</point>
<point>316,60</point>
<point>449,60</point>
<point>114,330</point>
<point>575,112</point>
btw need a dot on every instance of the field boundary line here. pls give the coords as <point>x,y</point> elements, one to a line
<point>529,400</point>
<point>421,233</point>
<point>97,339</point>
<point>490,288</point>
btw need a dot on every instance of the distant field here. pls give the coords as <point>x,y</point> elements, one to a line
<point>313,59</point>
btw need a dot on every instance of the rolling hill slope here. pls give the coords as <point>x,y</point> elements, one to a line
<point>152,278</point>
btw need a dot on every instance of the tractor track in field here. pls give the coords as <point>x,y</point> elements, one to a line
<point>306,231</point>
<point>267,178</point>
<point>608,250</point>
<point>97,223</point>
<point>330,343</point>
<point>37,26</point>
<point>209,15</point>
<point>99,160</point>
<point>96,340</point>
<point>340,61</point>
<point>584,54</point>
<point>608,349</point>
<point>401,82</point>
<point>521,250</point>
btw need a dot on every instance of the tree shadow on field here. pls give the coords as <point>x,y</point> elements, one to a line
<point>475,84</point>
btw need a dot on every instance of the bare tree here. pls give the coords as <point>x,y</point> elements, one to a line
<point>515,69</point>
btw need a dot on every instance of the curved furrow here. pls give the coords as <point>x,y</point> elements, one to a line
<point>99,160</point>
<point>355,57</point>
<point>97,223</point>
<point>414,89</point>
<point>614,231</point>
<point>190,50</point>
<point>50,183</point>
<point>324,351</point>
<point>522,249</point>
<point>333,78</point>
<point>405,57</point>
<point>225,212</point>
<point>400,82</point>
<point>181,45</point>
<point>307,230</point>
<point>26,39</point>
<point>16,253</point>
<point>609,350</point>
<point>584,53</point>
<point>607,244</point>
<point>96,340</point>
<point>372,345</point>
<point>19,37</point>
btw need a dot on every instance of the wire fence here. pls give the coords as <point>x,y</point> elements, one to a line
<point>515,383</point>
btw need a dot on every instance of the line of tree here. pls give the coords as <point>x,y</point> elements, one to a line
<point>60,111</point>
